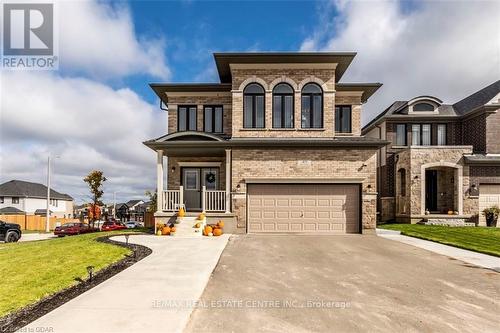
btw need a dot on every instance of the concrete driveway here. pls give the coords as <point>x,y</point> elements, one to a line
<point>152,296</point>
<point>345,284</point>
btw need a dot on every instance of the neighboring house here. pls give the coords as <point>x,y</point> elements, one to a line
<point>442,157</point>
<point>134,209</point>
<point>31,198</point>
<point>275,147</point>
<point>122,212</point>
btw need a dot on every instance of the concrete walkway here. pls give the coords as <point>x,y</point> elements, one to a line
<point>470,257</point>
<point>36,237</point>
<point>154,295</point>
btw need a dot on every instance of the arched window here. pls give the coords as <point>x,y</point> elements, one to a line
<point>402,182</point>
<point>253,106</point>
<point>312,106</point>
<point>423,107</point>
<point>283,106</point>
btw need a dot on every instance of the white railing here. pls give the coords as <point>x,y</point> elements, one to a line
<point>172,199</point>
<point>213,200</point>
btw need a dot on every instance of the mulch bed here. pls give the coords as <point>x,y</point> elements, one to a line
<point>30,313</point>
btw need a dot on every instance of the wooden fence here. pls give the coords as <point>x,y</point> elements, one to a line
<point>149,220</point>
<point>35,222</point>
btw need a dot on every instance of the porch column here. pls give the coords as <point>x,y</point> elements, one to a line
<point>228,180</point>
<point>159,181</point>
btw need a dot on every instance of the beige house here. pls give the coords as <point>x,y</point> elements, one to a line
<point>443,161</point>
<point>276,147</point>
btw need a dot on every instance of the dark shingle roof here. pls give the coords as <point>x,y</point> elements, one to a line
<point>10,210</point>
<point>477,99</point>
<point>20,188</point>
<point>42,212</point>
<point>131,203</point>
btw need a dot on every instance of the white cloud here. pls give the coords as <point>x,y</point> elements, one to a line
<point>99,38</point>
<point>443,48</point>
<point>88,124</point>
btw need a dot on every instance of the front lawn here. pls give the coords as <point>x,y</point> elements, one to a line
<point>32,270</point>
<point>479,239</point>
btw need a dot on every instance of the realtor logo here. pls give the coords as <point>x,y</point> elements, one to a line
<point>28,36</point>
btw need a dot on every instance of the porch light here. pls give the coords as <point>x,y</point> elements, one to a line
<point>416,177</point>
<point>238,187</point>
<point>172,169</point>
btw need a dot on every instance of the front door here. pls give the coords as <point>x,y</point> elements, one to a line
<point>431,194</point>
<point>193,180</point>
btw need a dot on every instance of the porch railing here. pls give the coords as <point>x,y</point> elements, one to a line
<point>172,199</point>
<point>213,200</point>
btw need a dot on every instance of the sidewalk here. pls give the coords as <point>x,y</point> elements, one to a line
<point>471,257</point>
<point>153,295</point>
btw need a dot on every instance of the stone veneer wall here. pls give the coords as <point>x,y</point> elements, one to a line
<point>305,164</point>
<point>222,98</point>
<point>492,133</point>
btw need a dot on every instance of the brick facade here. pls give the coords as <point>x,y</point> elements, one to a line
<point>334,164</point>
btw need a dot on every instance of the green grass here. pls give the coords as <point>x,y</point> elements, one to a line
<point>479,239</point>
<point>32,270</point>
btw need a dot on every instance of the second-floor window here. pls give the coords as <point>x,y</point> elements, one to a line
<point>421,135</point>
<point>343,119</point>
<point>213,118</point>
<point>312,106</point>
<point>15,200</point>
<point>186,118</point>
<point>53,202</point>
<point>253,106</point>
<point>283,106</point>
<point>441,134</point>
<point>401,135</point>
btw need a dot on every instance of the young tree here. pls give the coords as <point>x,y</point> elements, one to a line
<point>95,180</point>
<point>152,198</point>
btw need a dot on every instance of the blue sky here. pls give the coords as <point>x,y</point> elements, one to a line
<point>97,109</point>
<point>195,29</point>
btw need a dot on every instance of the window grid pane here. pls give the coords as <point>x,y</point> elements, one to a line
<point>208,119</point>
<point>400,135</point>
<point>426,134</point>
<point>182,121</point>
<point>259,110</point>
<point>289,111</point>
<point>247,112</point>
<point>415,135</point>
<point>306,111</point>
<point>317,114</point>
<point>218,120</point>
<point>441,135</point>
<point>192,119</point>
<point>277,112</point>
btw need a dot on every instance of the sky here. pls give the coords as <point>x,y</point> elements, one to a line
<point>97,109</point>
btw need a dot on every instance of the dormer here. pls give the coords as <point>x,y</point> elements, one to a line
<point>424,105</point>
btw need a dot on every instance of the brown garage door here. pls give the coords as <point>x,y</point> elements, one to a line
<point>303,208</point>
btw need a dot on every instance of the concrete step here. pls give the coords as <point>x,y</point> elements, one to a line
<point>184,227</point>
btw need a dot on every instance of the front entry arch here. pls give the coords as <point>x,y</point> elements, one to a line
<point>457,180</point>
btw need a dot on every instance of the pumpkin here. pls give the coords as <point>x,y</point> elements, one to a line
<point>165,230</point>
<point>217,232</point>
<point>158,232</point>
<point>220,224</point>
<point>201,216</point>
<point>197,225</point>
<point>172,229</point>
<point>181,212</point>
<point>450,212</point>
<point>208,230</point>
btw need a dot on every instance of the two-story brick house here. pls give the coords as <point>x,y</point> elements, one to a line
<point>275,147</point>
<point>442,158</point>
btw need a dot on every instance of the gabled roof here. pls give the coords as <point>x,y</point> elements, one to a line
<point>223,60</point>
<point>477,99</point>
<point>20,188</point>
<point>134,202</point>
<point>10,210</point>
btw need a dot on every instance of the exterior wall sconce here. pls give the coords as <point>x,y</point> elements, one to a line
<point>172,169</point>
<point>238,188</point>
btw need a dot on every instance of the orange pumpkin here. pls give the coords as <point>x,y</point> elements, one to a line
<point>201,216</point>
<point>208,229</point>
<point>217,232</point>
<point>173,229</point>
<point>181,212</point>
<point>165,230</point>
<point>220,224</point>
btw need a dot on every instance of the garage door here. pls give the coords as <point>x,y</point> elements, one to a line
<point>303,208</point>
<point>489,195</point>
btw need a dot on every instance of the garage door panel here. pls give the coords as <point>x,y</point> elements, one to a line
<point>489,195</point>
<point>313,208</point>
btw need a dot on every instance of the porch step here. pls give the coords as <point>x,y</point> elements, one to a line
<point>185,227</point>
<point>451,222</point>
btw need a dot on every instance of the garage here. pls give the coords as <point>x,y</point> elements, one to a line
<point>489,195</point>
<point>303,208</point>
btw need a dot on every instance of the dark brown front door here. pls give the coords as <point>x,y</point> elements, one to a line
<point>431,194</point>
<point>193,179</point>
